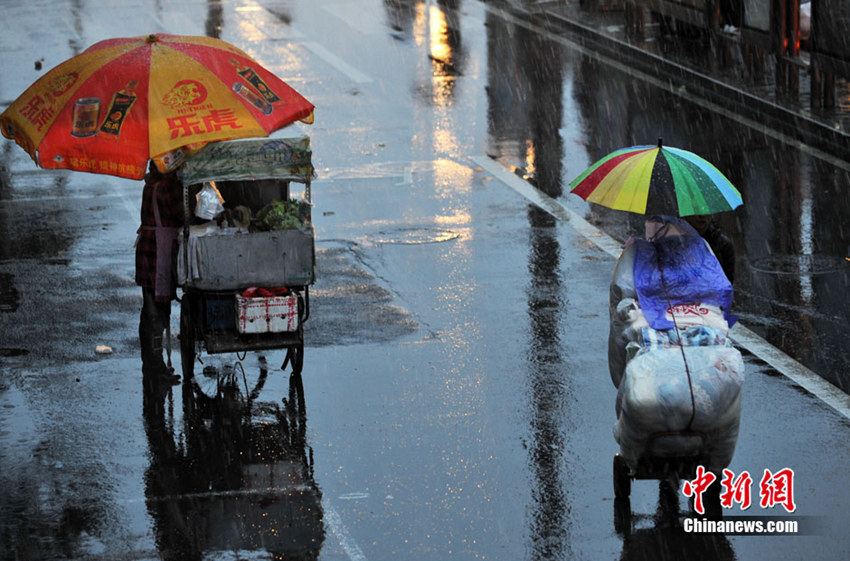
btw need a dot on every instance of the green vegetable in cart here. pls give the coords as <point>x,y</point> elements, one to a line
<point>279,215</point>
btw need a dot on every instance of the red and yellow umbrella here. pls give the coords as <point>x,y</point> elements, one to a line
<point>657,180</point>
<point>125,101</point>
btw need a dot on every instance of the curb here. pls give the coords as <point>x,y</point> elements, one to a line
<point>792,123</point>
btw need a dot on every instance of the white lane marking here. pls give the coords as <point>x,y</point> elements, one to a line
<point>352,73</point>
<point>58,199</point>
<point>354,496</point>
<point>550,205</point>
<point>809,380</point>
<point>264,492</point>
<point>334,523</point>
<point>407,178</point>
<point>806,378</point>
<point>256,16</point>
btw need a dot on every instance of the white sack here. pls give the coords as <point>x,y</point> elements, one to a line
<point>654,397</point>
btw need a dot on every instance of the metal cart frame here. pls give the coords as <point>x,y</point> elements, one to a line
<point>215,269</point>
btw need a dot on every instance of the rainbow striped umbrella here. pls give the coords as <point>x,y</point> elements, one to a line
<point>657,180</point>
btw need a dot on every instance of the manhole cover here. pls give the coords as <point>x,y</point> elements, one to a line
<point>800,264</point>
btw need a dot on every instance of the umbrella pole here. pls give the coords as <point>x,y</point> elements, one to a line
<point>186,217</point>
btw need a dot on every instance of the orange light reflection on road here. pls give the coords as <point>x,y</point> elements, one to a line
<point>439,35</point>
<point>530,159</point>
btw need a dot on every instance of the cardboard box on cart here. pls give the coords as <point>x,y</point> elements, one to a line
<point>267,314</point>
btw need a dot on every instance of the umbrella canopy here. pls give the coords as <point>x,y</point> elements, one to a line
<point>124,101</point>
<point>657,180</point>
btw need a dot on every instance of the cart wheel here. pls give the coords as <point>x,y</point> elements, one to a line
<point>622,478</point>
<point>187,339</point>
<point>622,516</point>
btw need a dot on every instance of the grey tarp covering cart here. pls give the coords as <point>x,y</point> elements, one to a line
<point>216,266</point>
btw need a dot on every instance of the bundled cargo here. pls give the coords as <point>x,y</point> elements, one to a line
<point>670,283</point>
<point>667,410</point>
<point>678,377</point>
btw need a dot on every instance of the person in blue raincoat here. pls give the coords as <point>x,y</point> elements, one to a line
<point>722,247</point>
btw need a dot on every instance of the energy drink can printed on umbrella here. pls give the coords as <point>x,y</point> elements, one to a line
<point>261,104</point>
<point>122,102</point>
<point>255,80</point>
<point>85,117</point>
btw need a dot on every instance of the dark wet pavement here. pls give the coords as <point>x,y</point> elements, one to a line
<point>236,474</point>
<point>722,68</point>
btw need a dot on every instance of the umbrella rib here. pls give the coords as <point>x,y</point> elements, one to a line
<point>602,182</point>
<point>633,193</point>
<point>690,199</point>
<point>730,195</point>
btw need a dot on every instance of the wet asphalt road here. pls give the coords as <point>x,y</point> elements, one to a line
<point>456,400</point>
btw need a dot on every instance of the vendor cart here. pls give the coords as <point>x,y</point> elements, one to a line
<point>245,278</point>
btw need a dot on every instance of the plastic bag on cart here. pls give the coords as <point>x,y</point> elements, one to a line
<point>655,397</point>
<point>208,202</point>
<point>622,300</point>
<point>677,267</point>
<point>638,298</point>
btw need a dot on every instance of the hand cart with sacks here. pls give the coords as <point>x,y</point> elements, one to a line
<point>245,274</point>
<point>679,379</point>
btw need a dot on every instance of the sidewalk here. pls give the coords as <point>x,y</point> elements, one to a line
<point>729,85</point>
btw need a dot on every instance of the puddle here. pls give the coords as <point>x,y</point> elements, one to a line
<point>800,264</point>
<point>414,236</point>
<point>348,305</point>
